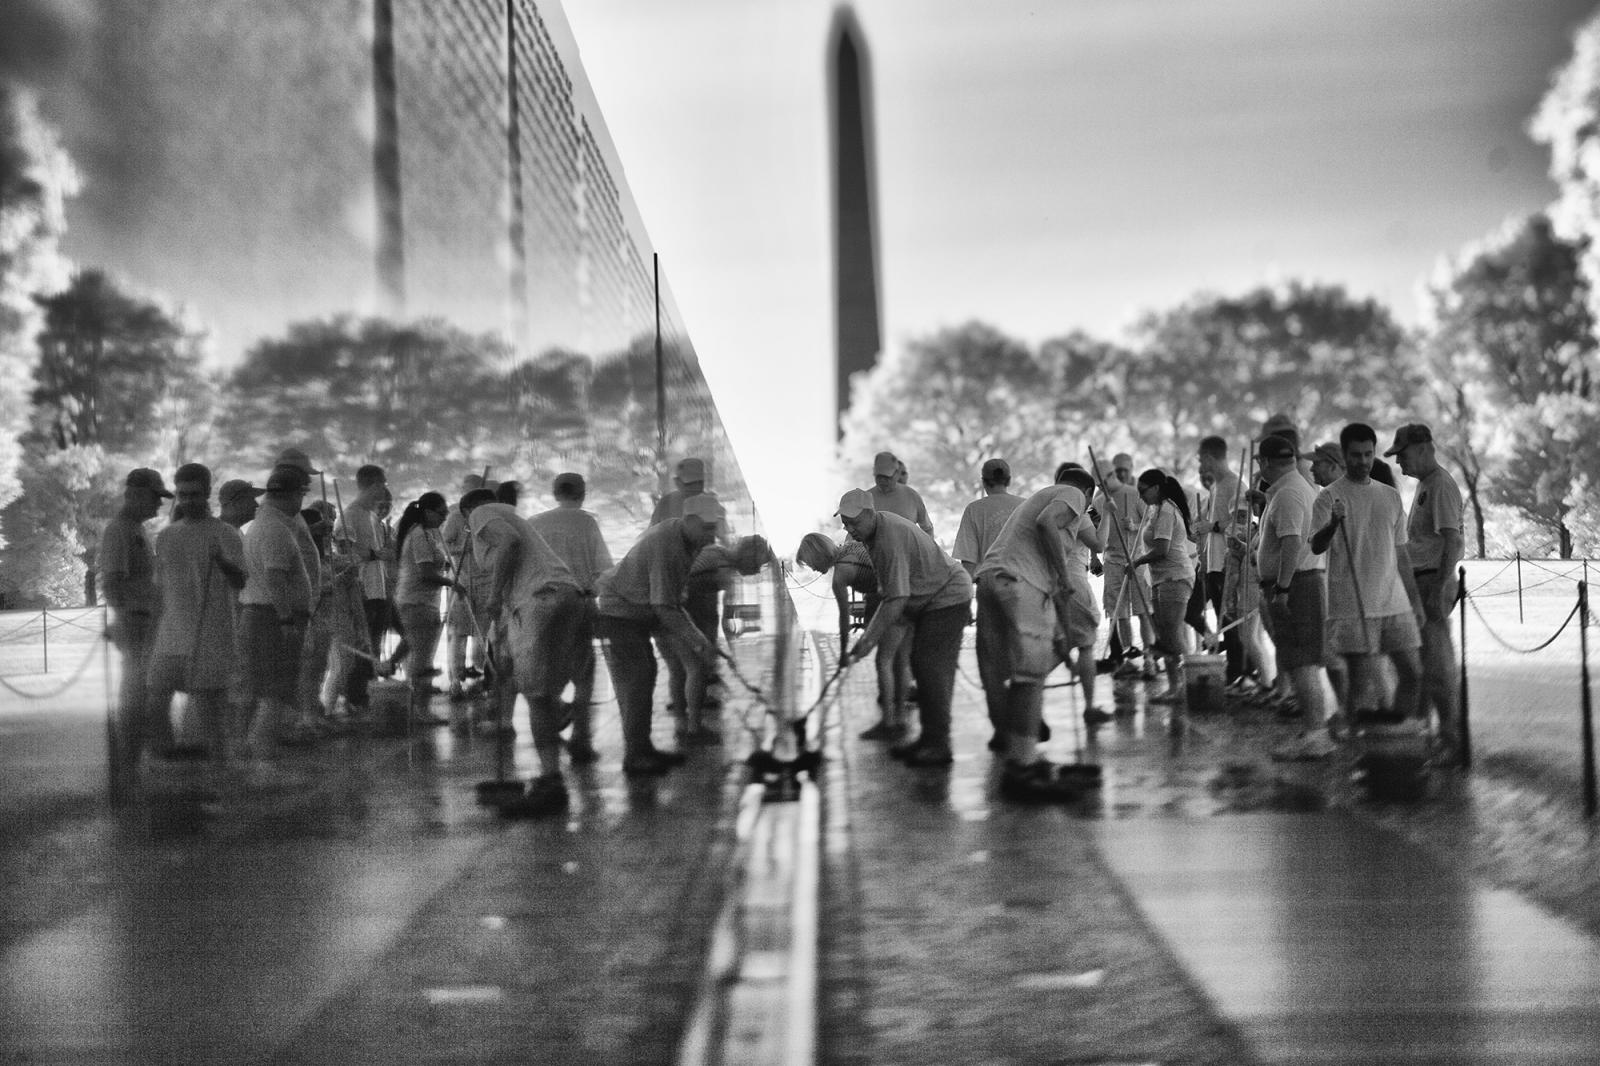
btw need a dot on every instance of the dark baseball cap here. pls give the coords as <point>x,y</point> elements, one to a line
<point>145,478</point>
<point>1275,449</point>
<point>1407,435</point>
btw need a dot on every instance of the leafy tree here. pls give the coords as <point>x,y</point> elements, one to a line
<point>1512,344</point>
<point>424,400</point>
<point>1568,120</point>
<point>1222,365</point>
<point>944,404</point>
<point>36,179</point>
<point>117,385</point>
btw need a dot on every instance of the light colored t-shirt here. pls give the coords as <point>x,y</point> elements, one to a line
<point>1290,500</point>
<point>908,562</point>
<point>981,523</point>
<point>1375,526</point>
<point>1435,508</point>
<point>1165,522</point>
<point>278,541</point>
<point>125,552</point>
<point>904,501</point>
<point>422,547</point>
<point>1022,546</point>
<point>1122,538</point>
<point>651,575</point>
<point>494,527</point>
<point>1219,508</point>
<point>574,535</point>
<point>197,603</point>
<point>361,527</point>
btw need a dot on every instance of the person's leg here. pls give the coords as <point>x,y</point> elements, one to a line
<point>421,621</point>
<point>1029,628</point>
<point>538,649</point>
<point>993,662</point>
<point>892,663</point>
<point>632,664</point>
<point>935,641</point>
<point>582,742</point>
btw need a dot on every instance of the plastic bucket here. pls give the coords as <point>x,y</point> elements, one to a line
<point>1203,679</point>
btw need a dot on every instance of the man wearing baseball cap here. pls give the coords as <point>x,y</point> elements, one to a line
<point>700,597</point>
<point>892,496</point>
<point>1026,594</point>
<point>199,570</point>
<point>126,566</point>
<point>1435,543</point>
<point>640,597</point>
<point>1293,590</point>
<point>574,535</point>
<point>238,502</point>
<point>981,522</point>
<point>535,607</point>
<point>283,580</point>
<point>299,460</point>
<point>921,585</point>
<point>1327,464</point>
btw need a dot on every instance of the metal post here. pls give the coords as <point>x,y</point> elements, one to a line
<point>44,618</point>
<point>1591,795</point>
<point>1466,727</point>
<point>661,383</point>
<point>516,235</point>
<point>1519,588</point>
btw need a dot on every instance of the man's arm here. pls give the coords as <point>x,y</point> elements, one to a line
<point>888,614</point>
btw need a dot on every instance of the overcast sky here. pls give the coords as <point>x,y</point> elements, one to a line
<point>1053,165</point>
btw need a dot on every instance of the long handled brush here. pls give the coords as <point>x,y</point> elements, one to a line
<point>1087,774</point>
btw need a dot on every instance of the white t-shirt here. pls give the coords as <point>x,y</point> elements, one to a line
<point>1165,522</point>
<point>497,525</point>
<point>1020,549</point>
<point>422,547</point>
<point>1375,527</point>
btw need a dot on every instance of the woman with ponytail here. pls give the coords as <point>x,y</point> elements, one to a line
<point>422,575</point>
<point>1164,540</point>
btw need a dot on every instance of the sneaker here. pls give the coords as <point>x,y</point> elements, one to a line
<point>1133,653</point>
<point>883,731</point>
<point>1037,782</point>
<point>1170,696</point>
<point>1106,665</point>
<point>471,672</point>
<point>1307,747</point>
<point>582,753</point>
<point>647,763</point>
<point>1095,716</point>
<point>546,795</point>
<point>904,748</point>
<point>1044,730</point>
<point>998,741</point>
<point>929,755</point>
<point>702,736</point>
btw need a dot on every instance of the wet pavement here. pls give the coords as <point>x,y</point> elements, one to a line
<point>1208,906</point>
<point>355,904</point>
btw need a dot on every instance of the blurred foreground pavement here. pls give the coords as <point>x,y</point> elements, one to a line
<point>1208,907</point>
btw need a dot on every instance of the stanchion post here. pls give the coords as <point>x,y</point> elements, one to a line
<point>44,629</point>
<point>1466,718</point>
<point>1519,588</point>
<point>1591,795</point>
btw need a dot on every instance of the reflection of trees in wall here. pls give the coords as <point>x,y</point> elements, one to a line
<point>117,385</point>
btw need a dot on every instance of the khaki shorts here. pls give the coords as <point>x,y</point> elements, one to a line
<point>1019,628</point>
<point>1375,636</point>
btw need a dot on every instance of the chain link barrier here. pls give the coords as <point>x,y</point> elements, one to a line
<point>73,679</point>
<point>1498,639</point>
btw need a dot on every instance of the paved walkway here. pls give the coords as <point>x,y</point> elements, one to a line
<point>1207,908</point>
<point>359,907</point>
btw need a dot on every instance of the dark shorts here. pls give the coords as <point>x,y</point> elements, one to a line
<point>1297,626</point>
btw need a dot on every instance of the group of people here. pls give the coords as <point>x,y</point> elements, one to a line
<point>1303,566</point>
<point>272,615</point>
